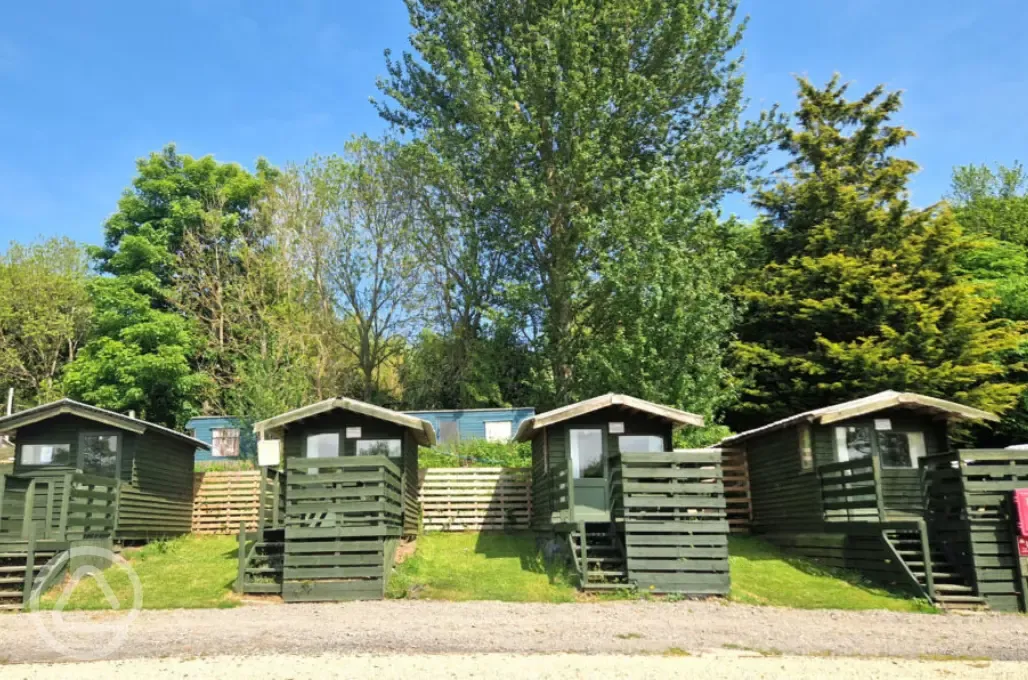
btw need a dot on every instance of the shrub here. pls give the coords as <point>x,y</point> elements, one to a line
<point>476,453</point>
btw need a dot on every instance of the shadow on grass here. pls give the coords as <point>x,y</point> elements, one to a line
<point>756,550</point>
<point>533,552</point>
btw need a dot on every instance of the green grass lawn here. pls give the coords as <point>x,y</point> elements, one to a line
<point>763,574</point>
<point>495,566</point>
<point>486,566</point>
<point>186,572</point>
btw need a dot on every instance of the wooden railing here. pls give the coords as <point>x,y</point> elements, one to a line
<point>272,495</point>
<point>675,521</point>
<point>852,491</point>
<point>72,505</point>
<point>336,492</point>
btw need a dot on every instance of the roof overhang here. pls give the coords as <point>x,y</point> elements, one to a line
<point>676,417</point>
<point>423,431</point>
<point>10,424</point>
<point>941,408</point>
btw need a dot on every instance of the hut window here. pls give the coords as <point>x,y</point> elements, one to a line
<point>498,431</point>
<point>806,449</point>
<point>586,453</point>
<point>225,442</point>
<point>639,443</point>
<point>46,454</point>
<point>323,445</point>
<point>900,449</point>
<point>100,454</point>
<point>853,442</point>
<point>380,447</point>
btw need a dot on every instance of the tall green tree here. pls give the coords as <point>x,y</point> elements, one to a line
<point>563,119</point>
<point>159,338</point>
<point>44,315</point>
<point>862,291</point>
<point>992,207</point>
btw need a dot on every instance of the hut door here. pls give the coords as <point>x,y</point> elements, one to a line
<point>589,468</point>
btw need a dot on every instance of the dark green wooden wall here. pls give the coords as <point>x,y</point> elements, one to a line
<point>65,429</point>
<point>785,495</point>
<point>158,501</point>
<point>295,435</point>
<point>551,460</point>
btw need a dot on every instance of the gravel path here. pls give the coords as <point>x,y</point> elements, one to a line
<point>422,627</point>
<point>561,666</point>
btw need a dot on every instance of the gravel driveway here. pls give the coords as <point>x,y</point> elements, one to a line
<point>413,627</point>
<point>557,666</point>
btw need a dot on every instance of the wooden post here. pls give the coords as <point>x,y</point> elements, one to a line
<point>3,485</point>
<point>30,567</point>
<point>241,573</point>
<point>876,467</point>
<point>584,566</point>
<point>30,502</point>
<point>277,489</point>
<point>48,527</point>
<point>62,523</point>
<point>926,551</point>
<point>117,507</point>
<point>261,499</point>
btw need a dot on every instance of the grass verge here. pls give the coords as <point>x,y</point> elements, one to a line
<point>480,566</point>
<point>764,575</point>
<point>187,572</point>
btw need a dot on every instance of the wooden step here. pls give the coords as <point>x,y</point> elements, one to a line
<point>953,588</point>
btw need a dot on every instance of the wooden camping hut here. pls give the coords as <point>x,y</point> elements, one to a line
<point>84,473</point>
<point>633,511</point>
<point>333,513</point>
<point>875,485</point>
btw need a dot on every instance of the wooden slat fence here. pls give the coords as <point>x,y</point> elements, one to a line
<point>970,510</point>
<point>737,490</point>
<point>479,499</point>
<point>852,490</point>
<point>221,500</point>
<point>343,520</point>
<point>676,526</point>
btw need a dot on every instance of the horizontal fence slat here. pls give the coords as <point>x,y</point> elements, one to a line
<point>465,499</point>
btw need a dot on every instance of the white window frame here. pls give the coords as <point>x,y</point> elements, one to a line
<point>216,450</point>
<point>509,428</point>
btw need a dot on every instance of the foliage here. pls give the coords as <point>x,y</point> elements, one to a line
<point>992,205</point>
<point>160,328</point>
<point>190,572</point>
<point>480,566</point>
<point>44,316</point>
<point>862,292</point>
<point>765,575</point>
<point>476,453</point>
<point>593,145</point>
<point>138,357</point>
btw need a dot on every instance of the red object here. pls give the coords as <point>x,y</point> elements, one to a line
<point>1021,506</point>
<point>1022,546</point>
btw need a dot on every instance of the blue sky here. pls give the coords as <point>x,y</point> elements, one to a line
<point>86,88</point>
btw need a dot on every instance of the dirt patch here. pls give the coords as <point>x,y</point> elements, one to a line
<point>405,550</point>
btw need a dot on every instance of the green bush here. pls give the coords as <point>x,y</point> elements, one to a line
<point>476,453</point>
<point>224,465</point>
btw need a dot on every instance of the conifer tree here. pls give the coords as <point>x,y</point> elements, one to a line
<point>862,291</point>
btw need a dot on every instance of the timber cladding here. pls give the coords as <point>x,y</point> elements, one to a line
<point>676,524</point>
<point>221,500</point>
<point>478,499</point>
<point>970,507</point>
